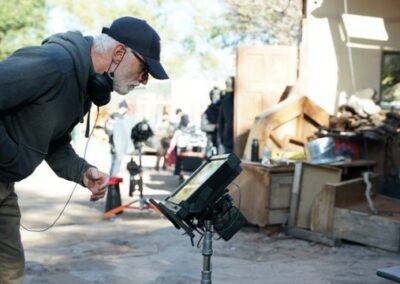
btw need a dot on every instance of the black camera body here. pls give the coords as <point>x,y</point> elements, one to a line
<point>141,132</point>
<point>203,196</point>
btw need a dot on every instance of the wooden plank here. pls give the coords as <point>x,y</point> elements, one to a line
<point>322,212</point>
<point>312,236</point>
<point>300,125</point>
<point>316,114</point>
<point>354,169</point>
<point>276,140</point>
<point>367,229</point>
<point>278,216</point>
<point>297,141</point>
<point>295,194</point>
<point>313,179</point>
<point>270,169</point>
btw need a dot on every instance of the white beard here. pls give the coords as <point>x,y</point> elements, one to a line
<point>124,88</point>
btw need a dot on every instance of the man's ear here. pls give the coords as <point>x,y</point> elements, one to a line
<point>118,53</point>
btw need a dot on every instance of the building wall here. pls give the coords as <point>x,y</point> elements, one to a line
<point>328,53</point>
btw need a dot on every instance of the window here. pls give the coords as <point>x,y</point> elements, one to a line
<point>390,79</point>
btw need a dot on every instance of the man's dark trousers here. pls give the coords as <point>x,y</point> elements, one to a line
<point>12,260</point>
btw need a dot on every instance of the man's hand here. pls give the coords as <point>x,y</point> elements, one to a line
<point>97,182</point>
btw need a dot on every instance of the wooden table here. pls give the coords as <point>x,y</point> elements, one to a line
<point>265,191</point>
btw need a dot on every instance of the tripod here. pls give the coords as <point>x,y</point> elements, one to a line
<point>135,183</point>
<point>136,178</point>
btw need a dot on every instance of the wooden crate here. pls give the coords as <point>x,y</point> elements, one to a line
<point>265,193</point>
<point>341,211</point>
<point>340,194</point>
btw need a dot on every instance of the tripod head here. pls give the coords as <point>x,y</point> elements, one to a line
<point>133,168</point>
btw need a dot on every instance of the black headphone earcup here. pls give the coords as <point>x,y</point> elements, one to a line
<point>99,88</point>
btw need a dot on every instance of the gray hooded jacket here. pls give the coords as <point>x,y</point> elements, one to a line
<point>42,97</point>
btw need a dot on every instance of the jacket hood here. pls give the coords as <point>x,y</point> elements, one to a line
<point>78,47</point>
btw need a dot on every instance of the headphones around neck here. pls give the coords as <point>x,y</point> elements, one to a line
<point>100,87</point>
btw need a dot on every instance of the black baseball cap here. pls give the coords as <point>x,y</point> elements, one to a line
<point>142,38</point>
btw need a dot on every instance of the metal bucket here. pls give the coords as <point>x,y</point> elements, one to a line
<point>321,150</point>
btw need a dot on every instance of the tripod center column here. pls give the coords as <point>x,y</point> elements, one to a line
<point>207,253</point>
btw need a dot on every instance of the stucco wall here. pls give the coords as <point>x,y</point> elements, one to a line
<point>327,51</point>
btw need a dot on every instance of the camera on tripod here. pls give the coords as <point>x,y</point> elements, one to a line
<point>141,132</point>
<point>135,180</point>
<point>203,198</point>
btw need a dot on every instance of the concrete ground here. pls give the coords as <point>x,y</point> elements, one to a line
<point>140,246</point>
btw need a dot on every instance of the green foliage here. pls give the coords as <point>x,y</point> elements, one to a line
<point>104,12</point>
<point>191,30</point>
<point>214,28</point>
<point>390,76</point>
<point>22,23</point>
<point>259,21</point>
<point>197,36</point>
<point>101,12</point>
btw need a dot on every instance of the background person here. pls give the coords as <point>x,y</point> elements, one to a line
<point>209,120</point>
<point>176,118</point>
<point>179,143</point>
<point>44,92</point>
<point>225,120</point>
<point>110,121</point>
<point>121,138</point>
<point>164,134</point>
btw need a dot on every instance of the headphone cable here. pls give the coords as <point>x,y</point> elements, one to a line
<point>73,189</point>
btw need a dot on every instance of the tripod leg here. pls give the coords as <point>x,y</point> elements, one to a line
<point>142,203</point>
<point>142,200</point>
<point>207,253</point>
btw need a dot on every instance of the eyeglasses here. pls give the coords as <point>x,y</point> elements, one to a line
<point>145,67</point>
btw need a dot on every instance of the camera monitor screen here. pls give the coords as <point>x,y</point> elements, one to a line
<point>211,177</point>
<point>195,181</point>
